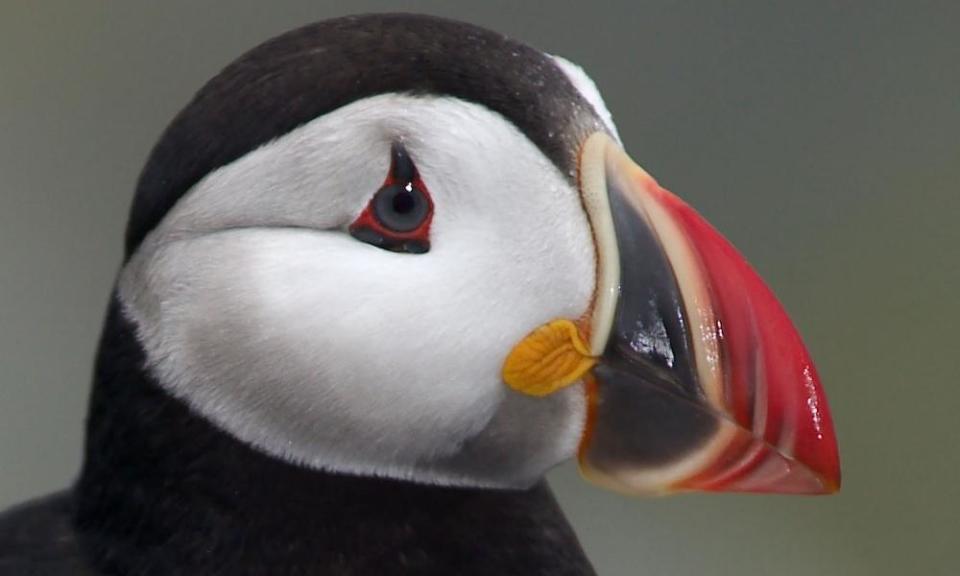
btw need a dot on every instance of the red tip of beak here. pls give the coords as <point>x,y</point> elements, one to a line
<point>785,439</point>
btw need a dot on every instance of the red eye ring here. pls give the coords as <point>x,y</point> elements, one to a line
<point>398,216</point>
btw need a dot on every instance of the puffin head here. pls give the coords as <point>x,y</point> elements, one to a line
<point>405,247</point>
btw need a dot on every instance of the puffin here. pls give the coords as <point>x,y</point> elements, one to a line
<point>381,274</point>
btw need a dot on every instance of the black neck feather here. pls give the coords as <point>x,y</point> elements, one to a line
<point>164,492</point>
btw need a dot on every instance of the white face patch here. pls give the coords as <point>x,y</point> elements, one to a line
<point>256,307</point>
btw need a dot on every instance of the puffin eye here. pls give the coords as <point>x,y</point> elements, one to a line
<point>398,216</point>
<point>400,208</point>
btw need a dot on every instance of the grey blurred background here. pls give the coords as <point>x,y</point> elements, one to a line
<point>823,138</point>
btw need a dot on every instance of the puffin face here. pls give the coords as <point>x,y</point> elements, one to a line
<point>463,284</point>
<point>281,298</point>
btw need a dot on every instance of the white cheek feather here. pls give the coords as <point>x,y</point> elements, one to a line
<point>257,309</point>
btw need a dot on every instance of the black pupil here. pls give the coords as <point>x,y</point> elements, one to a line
<point>404,202</point>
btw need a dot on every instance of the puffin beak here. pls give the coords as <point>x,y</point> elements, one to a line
<point>696,378</point>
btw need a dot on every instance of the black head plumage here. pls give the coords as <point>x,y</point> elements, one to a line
<point>298,76</point>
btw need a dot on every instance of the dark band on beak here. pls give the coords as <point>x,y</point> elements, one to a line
<point>649,346</point>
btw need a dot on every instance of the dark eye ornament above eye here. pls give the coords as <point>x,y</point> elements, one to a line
<point>399,214</point>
